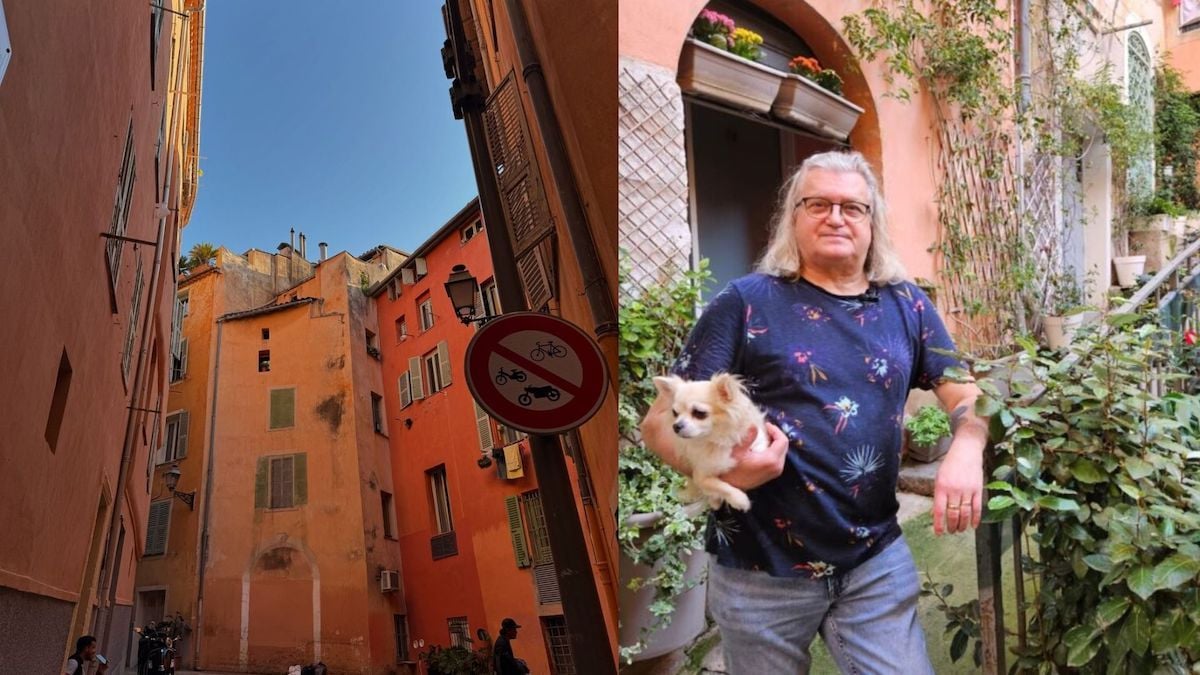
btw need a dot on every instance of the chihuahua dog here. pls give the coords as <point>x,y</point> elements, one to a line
<point>710,419</point>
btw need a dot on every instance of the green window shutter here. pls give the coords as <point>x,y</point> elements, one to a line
<point>443,350</point>
<point>260,484</point>
<point>414,375</point>
<point>513,508</point>
<point>300,478</point>
<point>156,528</point>
<point>483,425</point>
<point>283,408</point>
<point>181,448</point>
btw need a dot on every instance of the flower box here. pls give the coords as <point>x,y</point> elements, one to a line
<point>714,74</point>
<point>806,104</point>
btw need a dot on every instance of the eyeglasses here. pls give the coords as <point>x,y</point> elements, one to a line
<point>819,207</point>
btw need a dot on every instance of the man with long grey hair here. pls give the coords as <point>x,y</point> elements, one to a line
<point>829,339</point>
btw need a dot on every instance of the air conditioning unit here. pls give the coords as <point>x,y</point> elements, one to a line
<point>389,581</point>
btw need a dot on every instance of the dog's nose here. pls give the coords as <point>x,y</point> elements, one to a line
<point>678,426</point>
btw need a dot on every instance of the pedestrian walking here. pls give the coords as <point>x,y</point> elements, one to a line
<point>504,662</point>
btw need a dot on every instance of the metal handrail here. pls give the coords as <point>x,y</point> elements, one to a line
<point>1163,288</point>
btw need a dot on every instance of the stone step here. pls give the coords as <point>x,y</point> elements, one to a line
<point>917,477</point>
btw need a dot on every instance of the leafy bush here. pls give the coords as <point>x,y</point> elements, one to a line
<point>1104,473</point>
<point>459,661</point>
<point>930,425</point>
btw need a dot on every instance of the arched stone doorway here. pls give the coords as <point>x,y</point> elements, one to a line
<point>281,608</point>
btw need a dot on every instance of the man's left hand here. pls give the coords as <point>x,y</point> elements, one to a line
<point>958,489</point>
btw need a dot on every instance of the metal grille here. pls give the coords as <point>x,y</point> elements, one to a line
<point>443,545</point>
<point>562,661</point>
<point>460,633</point>
<point>1140,179</point>
<point>514,163</point>
<point>401,625</point>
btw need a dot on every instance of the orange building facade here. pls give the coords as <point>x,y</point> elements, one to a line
<point>471,522</point>
<point>99,132</point>
<point>275,426</point>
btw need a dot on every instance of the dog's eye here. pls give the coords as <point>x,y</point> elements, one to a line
<point>699,414</point>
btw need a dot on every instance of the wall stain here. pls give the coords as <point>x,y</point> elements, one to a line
<point>336,364</point>
<point>276,559</point>
<point>331,410</point>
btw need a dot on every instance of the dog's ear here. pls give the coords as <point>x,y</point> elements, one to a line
<point>666,385</point>
<point>728,386</point>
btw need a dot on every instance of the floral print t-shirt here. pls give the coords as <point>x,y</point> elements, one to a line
<point>833,373</point>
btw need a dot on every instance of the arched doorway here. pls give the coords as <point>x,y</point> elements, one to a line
<point>281,609</point>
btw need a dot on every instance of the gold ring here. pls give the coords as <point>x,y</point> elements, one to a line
<point>954,508</point>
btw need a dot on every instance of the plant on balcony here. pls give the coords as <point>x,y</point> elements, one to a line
<point>810,69</point>
<point>746,44</point>
<point>654,328</point>
<point>714,29</point>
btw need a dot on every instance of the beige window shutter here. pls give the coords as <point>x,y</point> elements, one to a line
<point>443,351</point>
<point>414,374</point>
<point>405,389</point>
<point>483,425</point>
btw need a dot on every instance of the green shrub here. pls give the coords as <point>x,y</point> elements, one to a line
<point>930,425</point>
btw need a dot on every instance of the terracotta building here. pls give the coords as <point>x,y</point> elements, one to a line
<point>467,498</point>
<point>276,435</point>
<point>99,133</point>
<point>538,111</point>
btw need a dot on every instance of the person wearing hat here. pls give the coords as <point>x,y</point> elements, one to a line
<point>502,654</point>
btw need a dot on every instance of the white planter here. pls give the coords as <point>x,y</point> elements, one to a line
<point>1129,268</point>
<point>1180,227</point>
<point>1060,330</point>
<point>807,104</point>
<point>687,622</point>
<point>715,74</point>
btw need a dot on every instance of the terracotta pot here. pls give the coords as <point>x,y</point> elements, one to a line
<point>807,104</point>
<point>1060,330</point>
<point>1129,268</point>
<point>718,75</point>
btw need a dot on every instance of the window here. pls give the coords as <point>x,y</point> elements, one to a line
<point>401,330</point>
<point>135,306</point>
<point>156,19</point>
<point>377,413</point>
<point>372,345</point>
<point>179,362</point>
<point>281,482</point>
<point>58,404</point>
<point>283,408</point>
<point>391,290</point>
<point>156,527</point>
<point>389,515</point>
<point>460,632</point>
<point>401,623</point>
<point>1139,177</point>
<point>467,233</point>
<point>562,662</point>
<point>405,385</point>
<point>175,440</point>
<point>508,436</point>
<point>266,333</point>
<point>159,192</point>
<point>1189,18</point>
<point>122,202</point>
<point>425,307</point>
<point>437,368</point>
<point>491,298</point>
<point>439,499</point>
<point>183,302</point>
<point>264,361</point>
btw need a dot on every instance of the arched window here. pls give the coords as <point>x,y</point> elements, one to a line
<point>1140,179</point>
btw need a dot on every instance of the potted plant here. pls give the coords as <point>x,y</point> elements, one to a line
<point>1066,309</point>
<point>1128,267</point>
<point>719,62</point>
<point>928,434</point>
<point>662,592</point>
<point>811,97</point>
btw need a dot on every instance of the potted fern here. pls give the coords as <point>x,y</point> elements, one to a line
<point>928,434</point>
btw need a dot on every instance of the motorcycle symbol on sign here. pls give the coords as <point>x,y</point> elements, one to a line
<point>503,375</point>
<point>531,393</point>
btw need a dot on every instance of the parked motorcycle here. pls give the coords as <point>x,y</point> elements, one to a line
<point>156,650</point>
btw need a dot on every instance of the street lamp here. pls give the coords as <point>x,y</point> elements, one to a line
<point>462,289</point>
<point>171,478</point>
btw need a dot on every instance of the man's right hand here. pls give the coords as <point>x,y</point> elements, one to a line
<point>756,468</point>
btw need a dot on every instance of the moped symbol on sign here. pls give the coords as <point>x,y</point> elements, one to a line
<point>536,372</point>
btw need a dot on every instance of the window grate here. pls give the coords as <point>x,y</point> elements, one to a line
<point>443,545</point>
<point>562,661</point>
<point>460,632</point>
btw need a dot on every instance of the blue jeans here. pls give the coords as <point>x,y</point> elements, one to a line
<point>867,617</point>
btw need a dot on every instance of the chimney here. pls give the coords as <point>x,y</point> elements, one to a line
<point>323,246</point>
<point>292,242</point>
<point>302,252</point>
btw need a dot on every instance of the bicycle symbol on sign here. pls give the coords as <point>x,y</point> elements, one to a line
<point>502,375</point>
<point>548,348</point>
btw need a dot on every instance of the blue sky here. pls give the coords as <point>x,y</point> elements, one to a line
<point>329,117</point>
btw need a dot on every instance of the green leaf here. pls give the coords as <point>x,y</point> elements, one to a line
<point>1118,320</point>
<point>1057,503</point>
<point>1099,562</point>
<point>1171,629</point>
<point>1141,581</point>
<point>958,646</point>
<point>1111,611</point>
<point>1138,468</point>
<point>1085,471</point>
<point>1175,571</point>
<point>1137,627</point>
<point>1082,645</point>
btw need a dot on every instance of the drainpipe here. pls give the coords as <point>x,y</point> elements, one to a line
<point>205,513</point>
<point>577,584</point>
<point>594,283</point>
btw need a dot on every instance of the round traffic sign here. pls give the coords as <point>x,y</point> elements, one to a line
<point>536,372</point>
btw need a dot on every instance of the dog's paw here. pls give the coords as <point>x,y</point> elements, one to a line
<point>739,501</point>
<point>689,493</point>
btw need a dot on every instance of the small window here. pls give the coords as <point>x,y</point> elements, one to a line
<point>176,437</point>
<point>372,344</point>
<point>283,408</point>
<point>491,298</point>
<point>183,302</point>
<point>439,500</point>
<point>389,515</point>
<point>401,623</point>
<point>425,306</point>
<point>377,413</point>
<point>559,643</point>
<point>433,372</point>
<point>460,633</point>
<point>58,404</point>
<point>283,482</point>
<point>156,527</point>
<point>266,333</point>
<point>391,291</point>
<point>401,330</point>
<point>179,362</point>
<point>156,20</point>
<point>264,361</point>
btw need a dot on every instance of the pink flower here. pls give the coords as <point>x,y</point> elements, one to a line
<point>1190,336</point>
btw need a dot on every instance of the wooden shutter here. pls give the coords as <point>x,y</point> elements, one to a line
<point>156,527</point>
<point>181,443</point>
<point>414,376</point>
<point>260,484</point>
<point>300,478</point>
<point>405,386</point>
<point>535,279</point>
<point>483,425</point>
<point>526,212</point>
<point>283,408</point>
<point>183,356</point>
<point>516,530</point>
<point>443,351</point>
